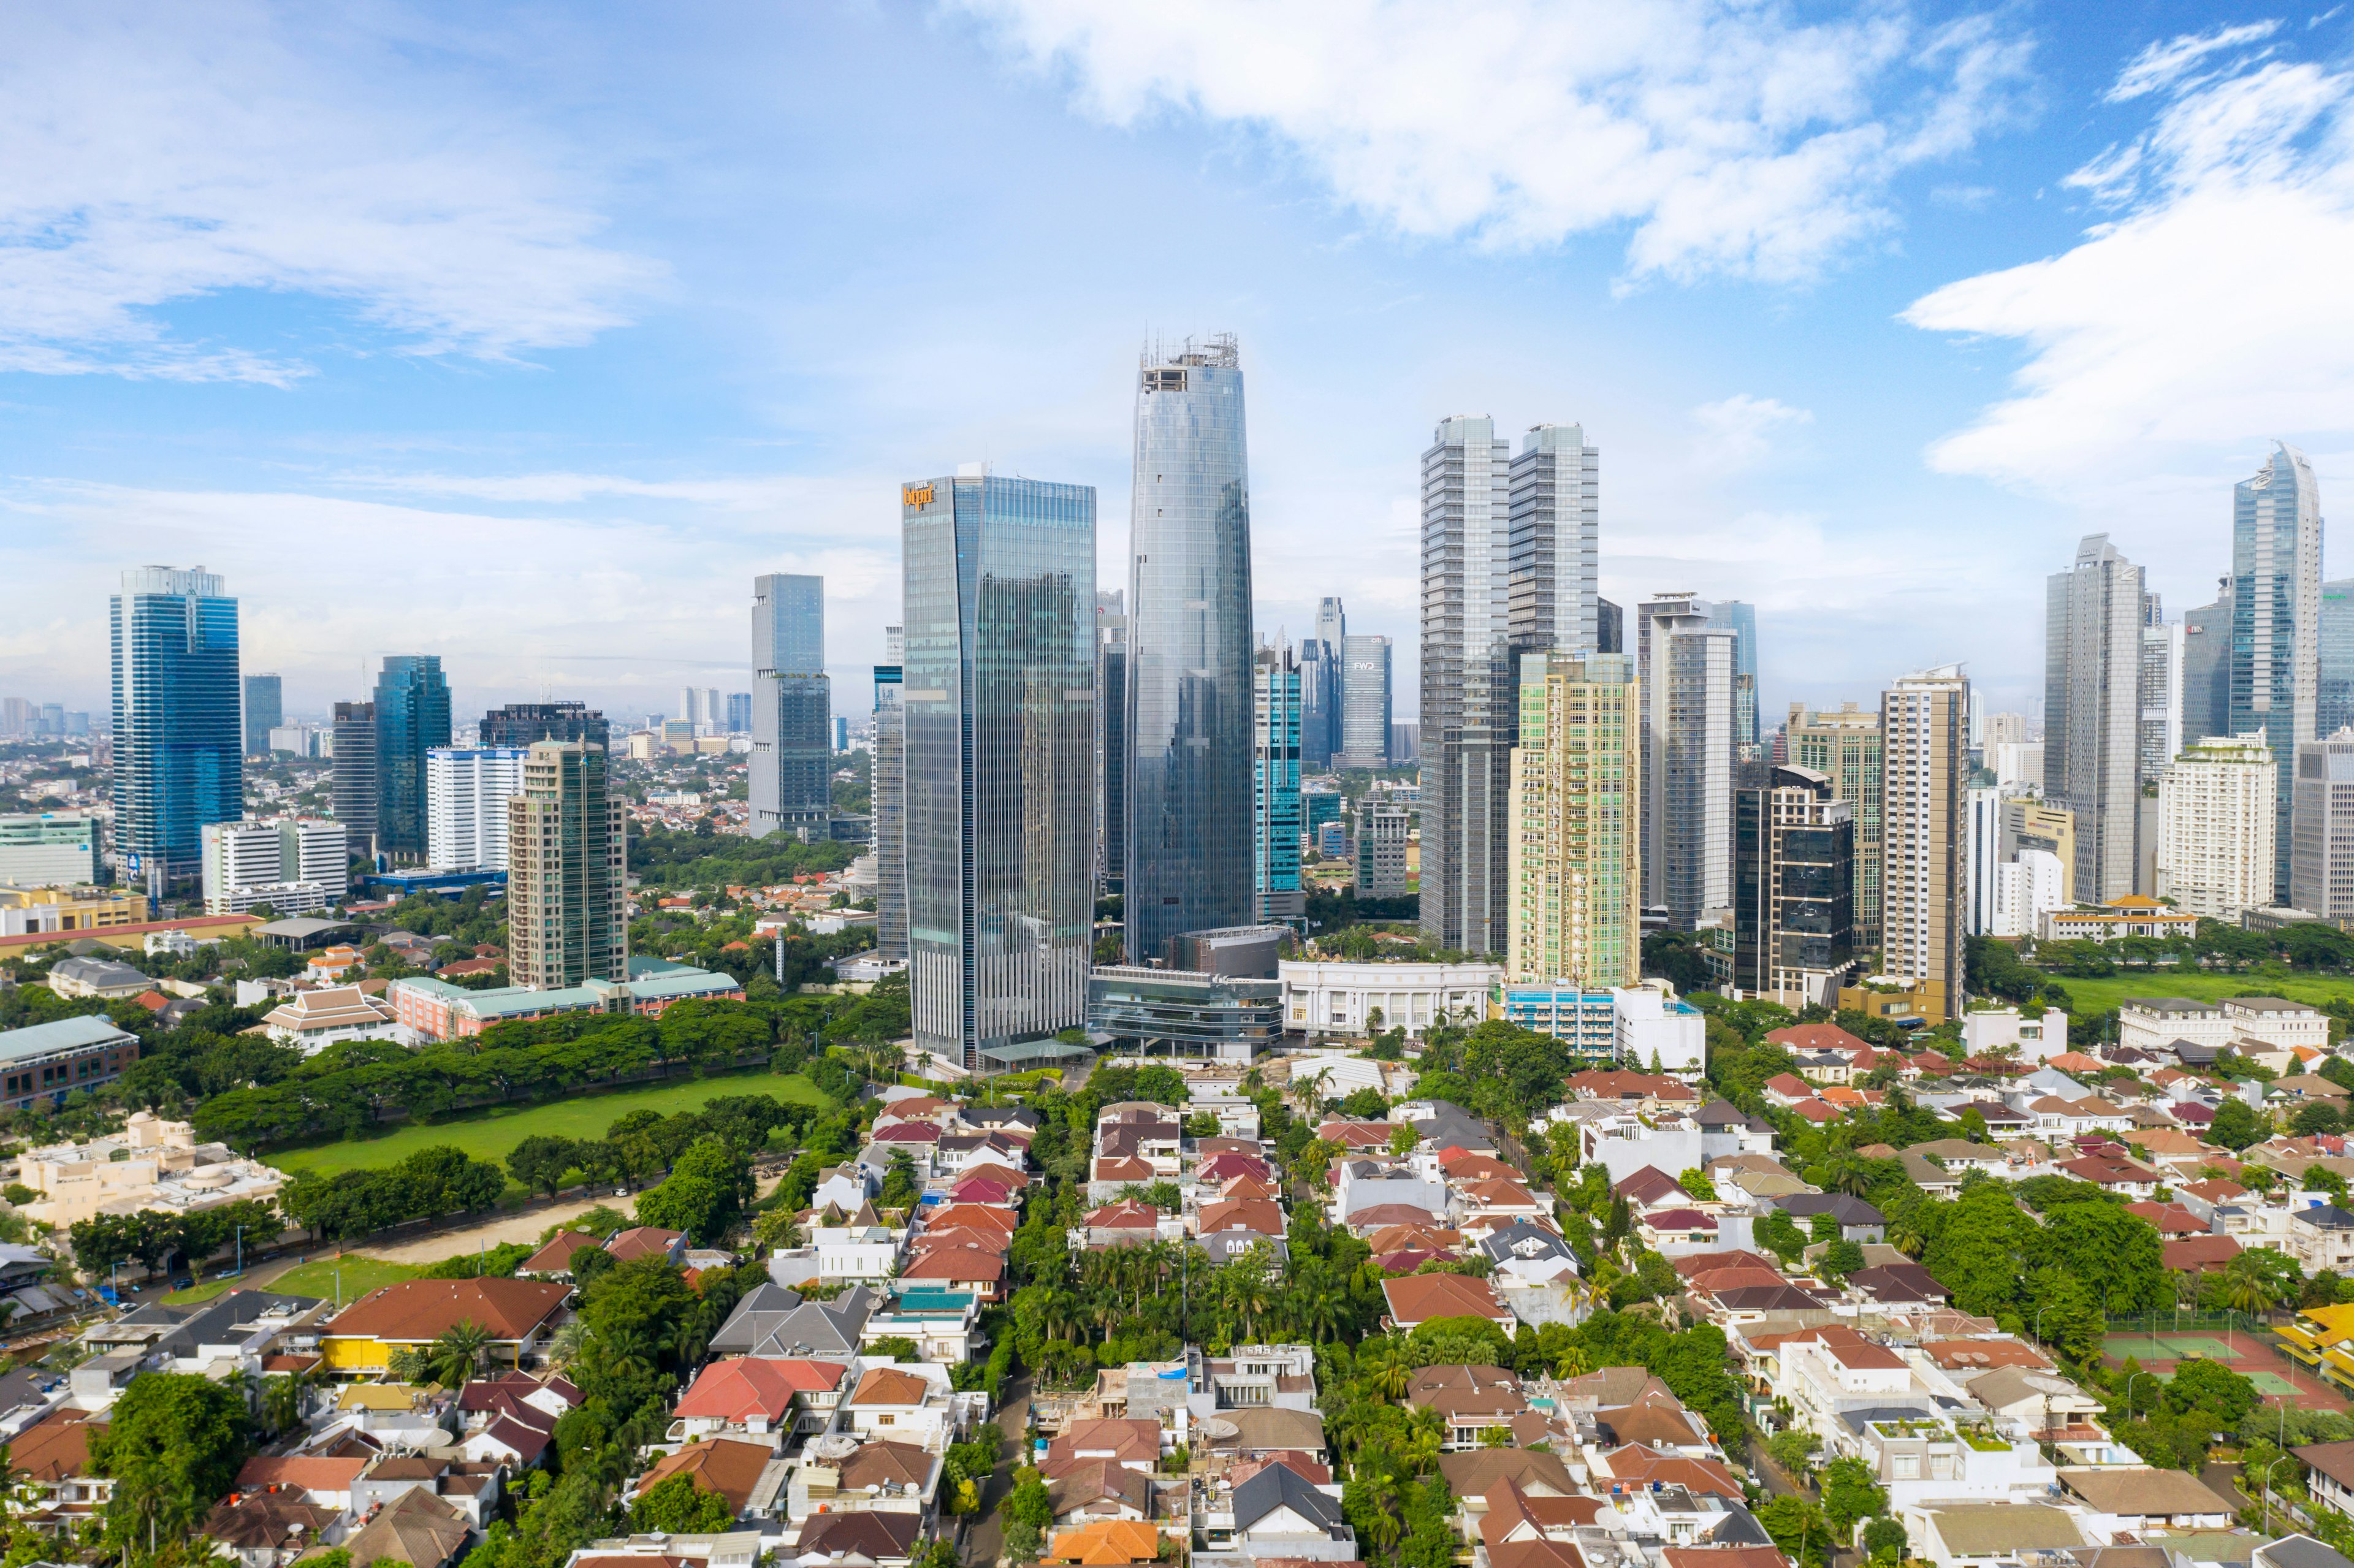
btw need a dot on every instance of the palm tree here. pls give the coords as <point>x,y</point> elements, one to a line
<point>1575,1361</point>
<point>565,1345</point>
<point>1382,1529</point>
<point>1389,1365</point>
<point>2247,1289</point>
<point>285,1397</point>
<point>453,1357</point>
<point>1425,1432</point>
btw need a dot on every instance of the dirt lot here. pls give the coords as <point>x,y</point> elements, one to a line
<point>524,1227</point>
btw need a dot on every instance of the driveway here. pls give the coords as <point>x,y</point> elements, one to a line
<point>984,1539</point>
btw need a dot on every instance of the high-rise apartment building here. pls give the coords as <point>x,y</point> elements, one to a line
<point>294,865</point>
<point>412,717</point>
<point>178,734</point>
<point>1925,780</point>
<point>2161,693</point>
<point>1981,853</point>
<point>466,793</point>
<point>2218,823</point>
<point>701,707</point>
<point>2334,703</point>
<point>740,712</point>
<point>1793,889</point>
<point>2029,824</point>
<point>1275,787</point>
<point>2092,711</point>
<point>1741,618</point>
<point>791,785</point>
<point>1365,704</point>
<point>2321,853</point>
<point>888,793</point>
<point>1190,650</point>
<point>2275,670</point>
<point>999,676</point>
<point>54,849</point>
<point>1383,830</point>
<point>2021,857</point>
<point>1609,626</point>
<point>1843,745</point>
<point>1556,541</point>
<point>568,878</point>
<point>2004,729</point>
<point>2207,668</point>
<point>1321,686</point>
<point>1111,738</point>
<point>1686,665</point>
<point>1575,856</point>
<point>353,791</point>
<point>518,724</point>
<point>1470,704</point>
<point>265,710</point>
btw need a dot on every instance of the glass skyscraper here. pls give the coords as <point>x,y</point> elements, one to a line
<point>2277,617</point>
<point>2334,706</point>
<point>1319,686</point>
<point>887,779</point>
<point>792,786</point>
<point>412,717</point>
<point>1275,787</point>
<point>1189,603</point>
<point>1111,738</point>
<point>178,735</point>
<point>520,723</point>
<point>265,710</point>
<point>998,687</point>
<point>1365,704</point>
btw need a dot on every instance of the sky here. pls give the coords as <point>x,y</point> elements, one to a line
<point>528,334</point>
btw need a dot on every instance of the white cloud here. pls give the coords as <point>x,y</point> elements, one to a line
<point>1740,430</point>
<point>2165,64</point>
<point>151,156</point>
<point>2212,313</point>
<point>1729,138</point>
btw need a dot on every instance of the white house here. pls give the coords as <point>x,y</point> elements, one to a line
<point>1340,996</point>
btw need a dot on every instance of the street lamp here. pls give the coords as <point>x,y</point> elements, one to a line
<point>2268,1483</point>
<point>2129,1382</point>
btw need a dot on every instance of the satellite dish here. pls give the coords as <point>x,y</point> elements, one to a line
<point>1215,1427</point>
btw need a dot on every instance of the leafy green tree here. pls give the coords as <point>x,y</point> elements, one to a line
<point>2067,1314</point>
<point>1797,1526</point>
<point>897,1346</point>
<point>703,1195</point>
<point>1790,1448</point>
<point>457,1353</point>
<point>2212,1389</point>
<point>900,1187</point>
<point>1840,1259</point>
<point>1850,1494</point>
<point>172,1443</point>
<point>2114,1254</point>
<point>681,1506</point>
<point>540,1163</point>
<point>1779,1234</point>
<point>1029,1504</point>
<point>2236,1125</point>
<point>1885,1539</point>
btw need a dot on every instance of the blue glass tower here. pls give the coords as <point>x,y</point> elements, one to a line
<point>792,786</point>
<point>998,691</point>
<point>2275,670</point>
<point>412,717</point>
<point>178,740</point>
<point>1189,695</point>
<point>1275,787</point>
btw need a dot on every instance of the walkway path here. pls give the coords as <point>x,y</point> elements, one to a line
<point>526,1226</point>
<point>984,1539</point>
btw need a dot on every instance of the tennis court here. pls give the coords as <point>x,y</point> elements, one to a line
<point>2174,1345</point>
<point>2272,1385</point>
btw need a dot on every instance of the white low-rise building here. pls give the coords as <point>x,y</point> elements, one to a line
<point>1656,1032</point>
<point>1342,996</point>
<point>150,1164</point>
<point>1989,1029</point>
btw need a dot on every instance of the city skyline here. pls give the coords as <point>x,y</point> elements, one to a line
<point>1938,337</point>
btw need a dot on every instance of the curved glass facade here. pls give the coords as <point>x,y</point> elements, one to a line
<point>998,691</point>
<point>1188,691</point>
<point>179,736</point>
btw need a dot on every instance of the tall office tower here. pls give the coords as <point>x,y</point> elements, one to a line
<point>2161,696</point>
<point>888,791</point>
<point>1111,738</point>
<point>1574,858</point>
<point>518,724</point>
<point>1275,787</point>
<point>2334,703</point>
<point>353,791</point>
<point>690,706</point>
<point>1470,704</point>
<point>1685,664</point>
<point>1981,853</point>
<point>567,875</point>
<point>2218,821</point>
<point>1000,594</point>
<point>466,793</point>
<point>1321,686</point>
<point>1742,617</point>
<point>1406,743</point>
<point>1609,626</point>
<point>1794,889</point>
<point>740,712</point>
<point>2029,826</point>
<point>1365,702</point>
<point>2277,617</point>
<point>16,715</point>
<point>412,717</point>
<point>1555,543</point>
<point>792,786</point>
<point>1924,781</point>
<point>2092,710</point>
<point>265,710</point>
<point>1844,746</point>
<point>2207,667</point>
<point>2321,851</point>
<point>178,742</point>
<point>1381,831</point>
<point>2005,729</point>
<point>1189,606</point>
<point>711,708</point>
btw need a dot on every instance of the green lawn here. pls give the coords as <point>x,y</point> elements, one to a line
<point>491,1134</point>
<point>359,1274</point>
<point>2091,996</point>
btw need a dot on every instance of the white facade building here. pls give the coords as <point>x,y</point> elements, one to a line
<point>466,794</point>
<point>2216,826</point>
<point>2024,889</point>
<point>1659,1033</point>
<point>297,866</point>
<point>2321,827</point>
<point>1338,996</point>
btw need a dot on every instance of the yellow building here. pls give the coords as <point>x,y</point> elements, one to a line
<point>26,909</point>
<point>2028,823</point>
<point>519,1314</point>
<point>2323,1339</point>
<point>1576,822</point>
<point>1923,1001</point>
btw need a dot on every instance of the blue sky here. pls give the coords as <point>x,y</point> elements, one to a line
<point>527,335</point>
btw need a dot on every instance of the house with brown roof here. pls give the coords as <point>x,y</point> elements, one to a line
<point>1131,1445</point>
<point>418,1528</point>
<point>2200,1254</point>
<point>519,1315</point>
<point>52,1459</point>
<point>1091,1490</point>
<point>981,1270</point>
<point>2141,1498</point>
<point>734,1467</point>
<point>553,1259</point>
<point>1419,1298</point>
<point>326,1482</point>
<point>885,1538</point>
<point>906,1404</point>
<point>1255,1215</point>
<point>1469,1399</point>
<point>648,1241</point>
<point>267,1530</point>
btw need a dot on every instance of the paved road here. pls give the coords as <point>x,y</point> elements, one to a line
<point>1779,1482</point>
<point>984,1539</point>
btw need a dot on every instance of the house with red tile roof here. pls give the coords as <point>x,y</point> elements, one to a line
<point>1816,1111</point>
<point>1421,1297</point>
<point>1787,1089</point>
<point>754,1397</point>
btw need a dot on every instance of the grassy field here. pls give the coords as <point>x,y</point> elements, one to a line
<point>2092,996</point>
<point>491,1134</point>
<point>360,1275</point>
